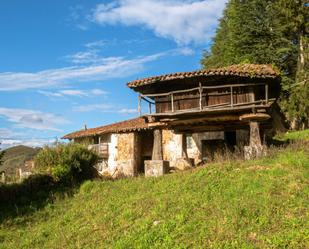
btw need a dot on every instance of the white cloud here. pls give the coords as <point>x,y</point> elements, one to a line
<point>127,111</point>
<point>96,44</point>
<point>93,107</point>
<point>24,118</point>
<point>105,108</point>
<point>74,93</point>
<point>102,69</point>
<point>184,21</point>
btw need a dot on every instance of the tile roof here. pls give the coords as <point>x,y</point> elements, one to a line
<point>242,70</point>
<point>124,126</point>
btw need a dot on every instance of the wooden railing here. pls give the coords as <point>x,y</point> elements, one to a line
<point>101,149</point>
<point>202,90</point>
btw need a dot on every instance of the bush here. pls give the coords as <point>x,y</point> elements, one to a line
<point>67,163</point>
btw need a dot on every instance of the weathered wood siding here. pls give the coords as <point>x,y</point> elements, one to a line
<point>191,100</point>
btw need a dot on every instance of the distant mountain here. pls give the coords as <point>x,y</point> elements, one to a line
<point>15,157</point>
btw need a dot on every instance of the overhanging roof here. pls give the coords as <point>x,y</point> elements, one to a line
<point>241,70</point>
<point>124,126</point>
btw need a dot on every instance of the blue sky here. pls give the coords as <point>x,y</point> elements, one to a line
<point>66,63</point>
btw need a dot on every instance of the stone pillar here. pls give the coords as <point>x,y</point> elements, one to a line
<point>157,152</point>
<point>255,138</point>
<point>156,166</point>
<point>255,148</point>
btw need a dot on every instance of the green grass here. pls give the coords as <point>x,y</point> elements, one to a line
<point>294,135</point>
<point>252,204</point>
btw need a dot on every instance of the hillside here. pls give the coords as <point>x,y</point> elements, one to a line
<point>14,157</point>
<point>241,204</point>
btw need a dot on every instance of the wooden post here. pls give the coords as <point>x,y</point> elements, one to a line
<point>232,100</point>
<point>157,152</point>
<point>201,95</point>
<point>172,100</point>
<point>150,111</point>
<point>139,105</point>
<point>266,93</point>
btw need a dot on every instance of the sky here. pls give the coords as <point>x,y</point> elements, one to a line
<point>65,64</point>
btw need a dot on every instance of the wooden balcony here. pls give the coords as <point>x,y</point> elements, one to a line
<point>101,149</point>
<point>211,99</point>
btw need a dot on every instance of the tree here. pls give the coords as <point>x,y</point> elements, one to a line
<point>267,32</point>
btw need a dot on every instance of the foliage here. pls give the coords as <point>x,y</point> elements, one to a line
<point>67,163</point>
<point>248,204</point>
<point>268,32</point>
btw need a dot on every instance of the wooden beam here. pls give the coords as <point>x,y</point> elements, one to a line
<point>232,100</point>
<point>266,93</point>
<point>139,105</point>
<point>201,95</point>
<point>172,101</point>
<point>254,117</point>
<point>205,119</point>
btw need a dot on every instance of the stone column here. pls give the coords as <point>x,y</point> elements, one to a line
<point>255,148</point>
<point>156,166</point>
<point>255,138</point>
<point>157,152</point>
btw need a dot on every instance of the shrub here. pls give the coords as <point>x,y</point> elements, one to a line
<point>67,163</point>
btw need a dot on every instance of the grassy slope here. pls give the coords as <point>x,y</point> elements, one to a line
<point>251,204</point>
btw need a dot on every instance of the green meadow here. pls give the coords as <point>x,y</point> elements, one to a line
<point>234,204</point>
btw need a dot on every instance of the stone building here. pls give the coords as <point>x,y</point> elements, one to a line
<point>191,117</point>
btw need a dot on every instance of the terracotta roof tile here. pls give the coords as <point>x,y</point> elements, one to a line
<point>242,70</point>
<point>124,126</point>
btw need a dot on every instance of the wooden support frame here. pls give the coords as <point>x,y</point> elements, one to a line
<point>201,95</point>
<point>202,91</point>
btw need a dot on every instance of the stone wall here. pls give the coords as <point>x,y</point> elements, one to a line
<point>172,146</point>
<point>194,148</point>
